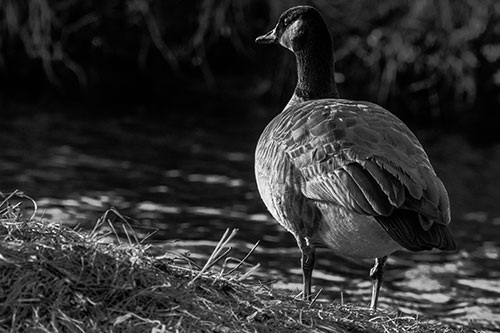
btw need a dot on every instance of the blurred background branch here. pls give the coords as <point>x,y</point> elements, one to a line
<point>432,62</point>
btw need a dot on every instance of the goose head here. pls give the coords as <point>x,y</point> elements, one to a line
<point>303,31</point>
<point>298,28</point>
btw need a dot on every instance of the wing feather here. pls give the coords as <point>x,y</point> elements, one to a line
<point>444,203</point>
<point>432,190</point>
<point>359,156</point>
<point>401,226</point>
<point>371,191</point>
<point>391,187</point>
<point>356,192</point>
<point>330,189</point>
<point>413,188</point>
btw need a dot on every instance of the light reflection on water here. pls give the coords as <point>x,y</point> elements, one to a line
<point>192,187</point>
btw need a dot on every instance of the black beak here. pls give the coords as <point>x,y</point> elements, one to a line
<point>268,38</point>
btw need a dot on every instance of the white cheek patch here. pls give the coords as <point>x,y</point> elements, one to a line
<point>292,30</point>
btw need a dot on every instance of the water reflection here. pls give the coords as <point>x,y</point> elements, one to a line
<point>192,187</point>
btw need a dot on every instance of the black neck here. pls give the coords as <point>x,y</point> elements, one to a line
<point>315,69</point>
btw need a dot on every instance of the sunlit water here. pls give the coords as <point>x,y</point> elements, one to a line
<point>192,179</point>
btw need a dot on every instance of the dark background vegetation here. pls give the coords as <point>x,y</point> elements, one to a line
<point>435,63</point>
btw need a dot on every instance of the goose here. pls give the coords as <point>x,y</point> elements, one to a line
<point>341,174</point>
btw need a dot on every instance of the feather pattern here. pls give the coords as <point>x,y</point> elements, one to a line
<point>357,156</point>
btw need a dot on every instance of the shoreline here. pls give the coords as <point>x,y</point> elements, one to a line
<point>55,278</point>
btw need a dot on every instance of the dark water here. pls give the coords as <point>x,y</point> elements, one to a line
<point>191,177</point>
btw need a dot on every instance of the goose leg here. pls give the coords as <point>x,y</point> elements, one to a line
<point>377,276</point>
<point>308,254</point>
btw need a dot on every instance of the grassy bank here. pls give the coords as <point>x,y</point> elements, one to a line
<point>57,279</point>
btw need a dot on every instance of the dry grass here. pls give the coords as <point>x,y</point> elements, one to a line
<point>55,279</point>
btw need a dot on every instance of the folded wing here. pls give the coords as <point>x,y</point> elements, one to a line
<point>361,157</point>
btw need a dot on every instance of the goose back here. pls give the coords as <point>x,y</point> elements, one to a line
<point>356,157</point>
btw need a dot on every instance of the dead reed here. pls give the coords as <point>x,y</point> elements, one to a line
<point>56,279</point>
